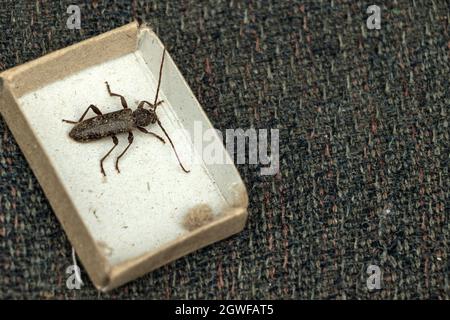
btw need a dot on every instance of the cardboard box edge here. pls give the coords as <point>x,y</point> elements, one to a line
<point>226,225</point>
<point>87,249</point>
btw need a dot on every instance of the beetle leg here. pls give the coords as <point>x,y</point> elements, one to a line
<point>116,142</point>
<point>130,141</point>
<point>141,104</point>
<point>122,99</point>
<point>157,104</point>
<point>94,108</point>
<point>142,129</point>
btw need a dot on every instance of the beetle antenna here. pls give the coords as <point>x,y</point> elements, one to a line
<point>173,147</point>
<point>159,122</point>
<point>159,78</point>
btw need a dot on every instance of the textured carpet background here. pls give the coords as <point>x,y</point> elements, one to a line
<point>364,147</point>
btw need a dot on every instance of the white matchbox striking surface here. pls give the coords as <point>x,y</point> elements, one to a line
<point>141,208</point>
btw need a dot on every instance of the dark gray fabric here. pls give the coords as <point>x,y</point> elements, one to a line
<point>364,147</point>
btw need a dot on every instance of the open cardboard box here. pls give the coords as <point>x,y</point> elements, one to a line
<point>122,225</point>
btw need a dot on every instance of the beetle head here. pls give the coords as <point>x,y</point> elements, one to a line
<point>143,117</point>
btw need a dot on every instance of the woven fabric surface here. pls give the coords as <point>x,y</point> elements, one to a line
<point>364,147</point>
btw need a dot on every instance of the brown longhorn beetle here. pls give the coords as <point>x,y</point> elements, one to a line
<point>125,120</point>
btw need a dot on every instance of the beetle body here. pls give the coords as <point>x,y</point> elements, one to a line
<point>103,126</point>
<point>111,123</point>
